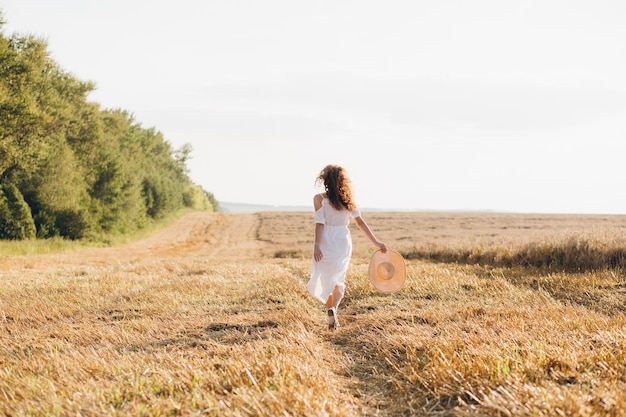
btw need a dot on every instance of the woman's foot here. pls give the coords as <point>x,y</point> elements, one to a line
<point>333,323</point>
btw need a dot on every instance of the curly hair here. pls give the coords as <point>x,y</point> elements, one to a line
<point>337,185</point>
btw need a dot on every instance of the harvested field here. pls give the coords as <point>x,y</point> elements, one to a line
<point>211,317</point>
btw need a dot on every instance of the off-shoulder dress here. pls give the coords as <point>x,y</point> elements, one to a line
<point>336,247</point>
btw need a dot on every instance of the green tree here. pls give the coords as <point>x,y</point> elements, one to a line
<point>71,169</point>
<point>197,198</point>
<point>16,221</point>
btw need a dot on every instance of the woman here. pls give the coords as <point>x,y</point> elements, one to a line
<point>333,244</point>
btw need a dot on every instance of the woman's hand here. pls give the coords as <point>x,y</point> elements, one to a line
<point>317,253</point>
<point>381,246</point>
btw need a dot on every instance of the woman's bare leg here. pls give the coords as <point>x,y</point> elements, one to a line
<point>332,304</point>
<point>336,296</point>
<point>329,302</point>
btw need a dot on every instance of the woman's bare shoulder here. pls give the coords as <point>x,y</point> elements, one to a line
<point>317,201</point>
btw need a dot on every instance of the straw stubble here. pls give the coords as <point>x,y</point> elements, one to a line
<point>211,316</point>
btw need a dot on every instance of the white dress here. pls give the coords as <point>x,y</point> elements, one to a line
<point>336,247</point>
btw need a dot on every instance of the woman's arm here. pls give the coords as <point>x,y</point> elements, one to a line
<point>368,232</point>
<point>319,230</point>
<point>317,252</point>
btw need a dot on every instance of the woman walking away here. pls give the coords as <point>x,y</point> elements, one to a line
<point>333,243</point>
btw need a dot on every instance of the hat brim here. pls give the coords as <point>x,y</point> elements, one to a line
<point>387,271</point>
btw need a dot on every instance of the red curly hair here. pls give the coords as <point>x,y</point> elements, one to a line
<point>337,185</point>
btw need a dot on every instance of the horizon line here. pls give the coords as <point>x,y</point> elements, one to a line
<point>235,207</point>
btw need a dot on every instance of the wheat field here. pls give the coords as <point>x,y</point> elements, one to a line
<point>500,315</point>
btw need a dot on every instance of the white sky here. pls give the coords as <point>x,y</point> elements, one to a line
<point>451,105</point>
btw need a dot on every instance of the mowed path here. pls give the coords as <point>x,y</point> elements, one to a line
<point>210,236</point>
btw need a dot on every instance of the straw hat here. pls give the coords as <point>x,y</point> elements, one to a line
<point>387,271</point>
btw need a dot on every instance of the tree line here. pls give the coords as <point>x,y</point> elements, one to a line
<point>71,169</point>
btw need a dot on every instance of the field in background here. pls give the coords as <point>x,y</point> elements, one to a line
<point>557,242</point>
<point>211,317</point>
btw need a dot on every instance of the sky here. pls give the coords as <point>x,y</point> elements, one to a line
<point>515,106</point>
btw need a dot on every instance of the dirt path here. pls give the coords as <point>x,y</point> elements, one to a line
<point>208,235</point>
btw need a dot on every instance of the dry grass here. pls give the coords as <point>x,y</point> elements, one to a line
<point>212,317</point>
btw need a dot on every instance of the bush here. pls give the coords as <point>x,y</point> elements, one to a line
<point>71,224</point>
<point>16,220</point>
<point>45,223</point>
<point>196,198</point>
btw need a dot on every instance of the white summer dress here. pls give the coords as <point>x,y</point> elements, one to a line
<point>336,247</point>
